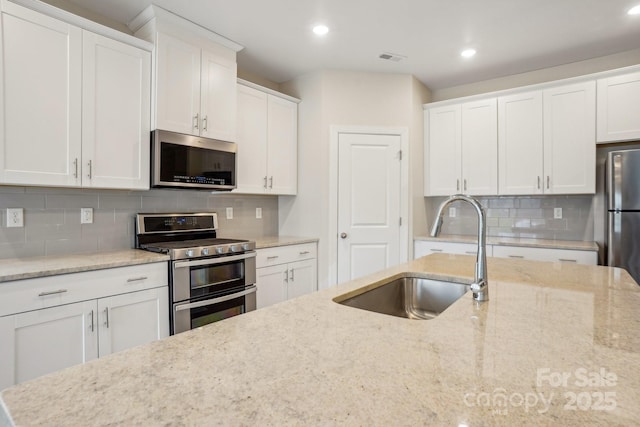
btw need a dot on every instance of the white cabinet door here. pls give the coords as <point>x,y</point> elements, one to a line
<point>569,139</point>
<point>282,151</point>
<point>40,116</point>
<point>618,108</point>
<point>43,341</point>
<point>132,319</point>
<point>116,114</point>
<point>252,141</point>
<point>302,278</point>
<point>520,139</point>
<point>178,85</point>
<point>218,96</point>
<point>479,137</point>
<point>271,284</point>
<point>443,151</point>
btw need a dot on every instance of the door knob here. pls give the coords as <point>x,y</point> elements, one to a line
<point>343,235</point>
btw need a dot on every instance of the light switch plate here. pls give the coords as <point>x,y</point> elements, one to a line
<point>229,213</point>
<point>258,213</point>
<point>15,217</point>
<point>557,213</point>
<point>86,215</point>
<point>452,212</point>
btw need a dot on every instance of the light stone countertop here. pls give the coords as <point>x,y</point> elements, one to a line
<point>516,241</point>
<point>310,361</point>
<point>27,268</point>
<point>274,241</point>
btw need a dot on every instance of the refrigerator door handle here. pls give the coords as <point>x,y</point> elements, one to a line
<point>614,249</point>
<point>614,181</point>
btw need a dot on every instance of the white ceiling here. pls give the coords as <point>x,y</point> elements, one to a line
<point>511,36</point>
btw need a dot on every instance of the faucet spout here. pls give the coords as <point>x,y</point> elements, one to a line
<point>479,287</point>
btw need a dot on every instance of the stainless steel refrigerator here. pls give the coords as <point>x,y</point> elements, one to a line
<point>623,210</point>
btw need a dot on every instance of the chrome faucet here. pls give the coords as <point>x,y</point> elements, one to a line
<point>479,286</point>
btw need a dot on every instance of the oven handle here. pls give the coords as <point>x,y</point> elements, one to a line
<point>249,290</point>
<point>212,261</point>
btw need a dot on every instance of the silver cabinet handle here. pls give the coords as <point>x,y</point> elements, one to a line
<point>90,168</point>
<point>548,181</point>
<point>465,184</point>
<point>91,314</point>
<point>75,166</point>
<point>457,185</point>
<point>59,291</point>
<point>137,279</point>
<point>435,250</point>
<point>106,315</point>
<point>305,253</point>
<point>271,182</point>
<point>292,279</point>
<point>343,235</point>
<point>204,123</point>
<point>516,256</point>
<point>286,276</point>
<point>195,121</point>
<point>273,257</point>
<point>567,260</point>
<point>265,183</point>
<point>470,252</point>
<point>538,183</point>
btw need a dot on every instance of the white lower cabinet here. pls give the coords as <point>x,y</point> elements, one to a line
<point>546,254</point>
<point>51,323</point>
<point>285,272</point>
<point>427,247</point>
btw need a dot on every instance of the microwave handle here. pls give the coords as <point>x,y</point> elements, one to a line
<point>250,290</point>
<point>213,261</point>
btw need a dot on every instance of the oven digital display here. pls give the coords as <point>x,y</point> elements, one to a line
<point>178,223</point>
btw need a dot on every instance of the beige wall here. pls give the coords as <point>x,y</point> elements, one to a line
<point>594,65</point>
<point>344,98</point>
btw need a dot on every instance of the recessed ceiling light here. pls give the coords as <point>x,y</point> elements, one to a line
<point>320,30</point>
<point>468,53</point>
<point>634,10</point>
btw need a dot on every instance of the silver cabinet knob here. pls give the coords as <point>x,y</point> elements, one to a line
<point>343,235</point>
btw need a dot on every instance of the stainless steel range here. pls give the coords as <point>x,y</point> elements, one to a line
<point>210,279</point>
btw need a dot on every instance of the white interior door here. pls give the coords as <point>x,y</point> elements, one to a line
<point>369,188</point>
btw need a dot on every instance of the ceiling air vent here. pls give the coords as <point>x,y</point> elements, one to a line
<point>391,57</point>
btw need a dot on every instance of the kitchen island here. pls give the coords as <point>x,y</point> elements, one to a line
<point>556,344</point>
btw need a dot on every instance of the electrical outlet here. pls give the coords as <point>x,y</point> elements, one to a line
<point>557,213</point>
<point>452,212</point>
<point>15,217</point>
<point>229,213</point>
<point>258,213</point>
<point>86,215</point>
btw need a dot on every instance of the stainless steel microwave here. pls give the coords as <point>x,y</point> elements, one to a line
<point>187,161</point>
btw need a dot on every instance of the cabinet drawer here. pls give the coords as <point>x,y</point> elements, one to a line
<point>33,294</point>
<point>546,254</point>
<point>422,248</point>
<point>285,254</point>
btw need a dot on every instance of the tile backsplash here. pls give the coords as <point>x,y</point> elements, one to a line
<point>522,216</point>
<point>52,217</point>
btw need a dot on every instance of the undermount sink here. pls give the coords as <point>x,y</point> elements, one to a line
<point>408,297</point>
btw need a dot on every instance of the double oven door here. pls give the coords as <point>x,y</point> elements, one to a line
<point>206,290</point>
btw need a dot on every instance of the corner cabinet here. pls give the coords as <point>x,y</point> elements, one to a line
<point>195,75</point>
<point>619,108</point>
<point>461,149</point>
<point>267,141</point>
<point>285,272</point>
<point>83,120</point>
<point>51,323</point>
<point>546,141</point>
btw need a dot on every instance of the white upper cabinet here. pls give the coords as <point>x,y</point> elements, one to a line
<point>267,142</point>
<point>41,86</point>
<point>76,105</point>
<point>619,108</point>
<point>569,139</point>
<point>520,134</point>
<point>195,75</point>
<point>546,141</point>
<point>461,149</point>
<point>116,114</point>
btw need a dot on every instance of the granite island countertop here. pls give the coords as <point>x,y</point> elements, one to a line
<point>556,344</point>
